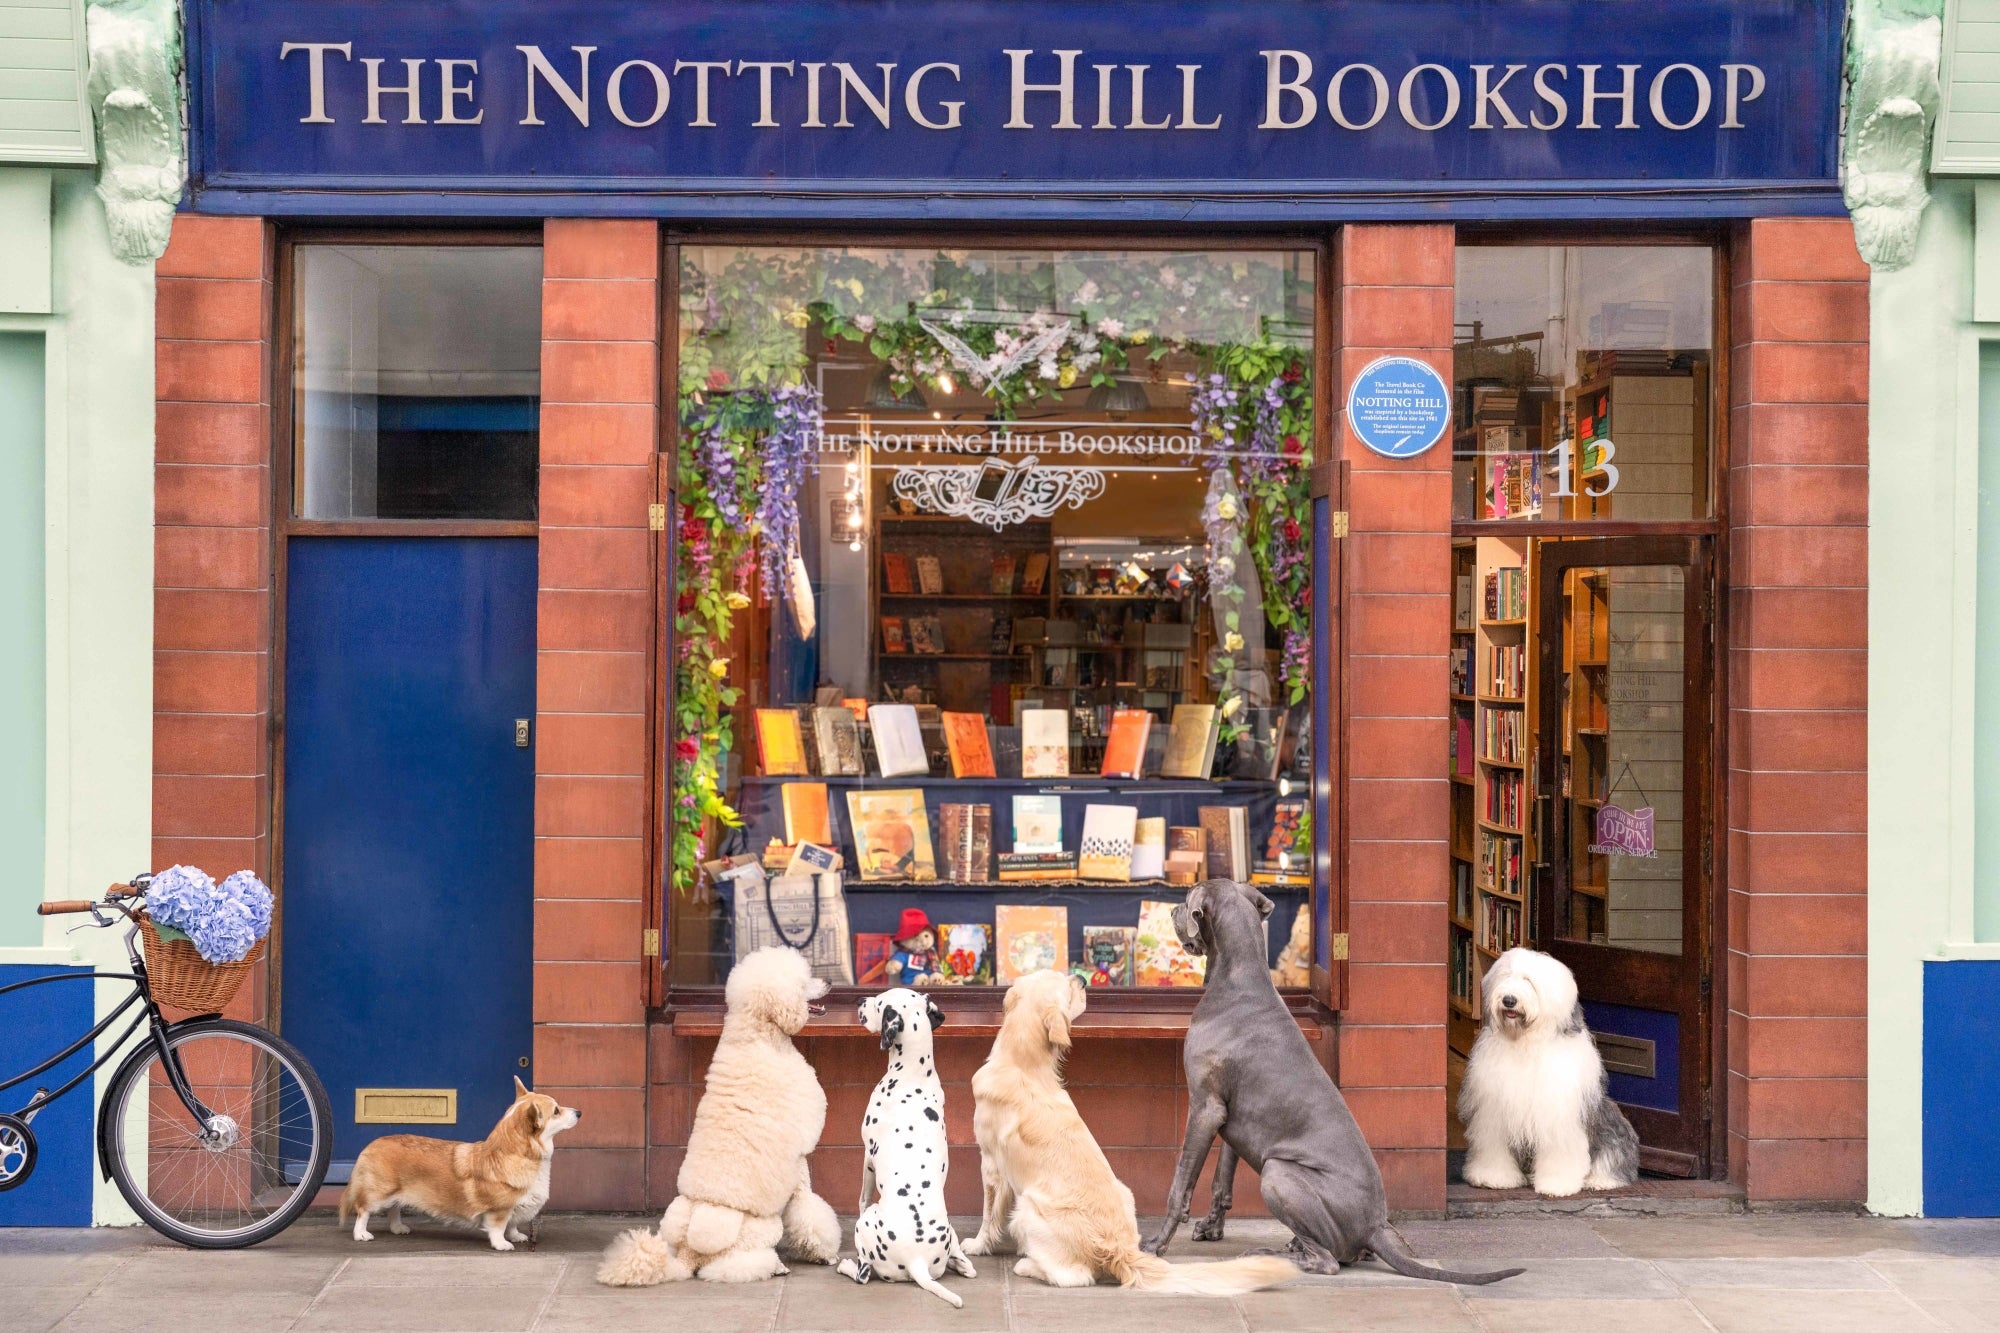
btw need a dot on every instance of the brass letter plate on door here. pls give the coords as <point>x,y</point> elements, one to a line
<point>1626,1055</point>
<point>406,1106</point>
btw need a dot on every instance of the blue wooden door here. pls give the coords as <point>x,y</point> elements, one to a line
<point>408,821</point>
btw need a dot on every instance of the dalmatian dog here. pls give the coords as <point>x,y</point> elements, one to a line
<point>904,1233</point>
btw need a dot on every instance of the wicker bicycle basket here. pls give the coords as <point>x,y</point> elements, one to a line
<point>182,979</point>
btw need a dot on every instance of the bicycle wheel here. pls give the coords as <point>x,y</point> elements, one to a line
<point>255,1165</point>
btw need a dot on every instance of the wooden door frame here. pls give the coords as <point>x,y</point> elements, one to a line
<point>1684,982</point>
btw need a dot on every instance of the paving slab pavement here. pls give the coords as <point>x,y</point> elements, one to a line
<point>1713,1274</point>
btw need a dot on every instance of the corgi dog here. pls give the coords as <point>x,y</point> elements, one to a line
<point>498,1185</point>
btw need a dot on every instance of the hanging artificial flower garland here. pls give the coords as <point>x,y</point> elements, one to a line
<point>743,459</point>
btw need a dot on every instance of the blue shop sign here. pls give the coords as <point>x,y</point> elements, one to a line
<point>1398,406</point>
<point>1250,110</point>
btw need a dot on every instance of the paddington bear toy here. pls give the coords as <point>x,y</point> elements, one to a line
<point>915,961</point>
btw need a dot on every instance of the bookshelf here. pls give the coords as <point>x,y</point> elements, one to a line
<point>1464,971</point>
<point>976,665</point>
<point>1584,778</point>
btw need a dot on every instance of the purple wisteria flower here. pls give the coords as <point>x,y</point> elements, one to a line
<point>788,450</point>
<point>224,921</point>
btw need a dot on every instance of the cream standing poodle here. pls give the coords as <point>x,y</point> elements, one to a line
<point>745,1196</point>
<point>1534,1101</point>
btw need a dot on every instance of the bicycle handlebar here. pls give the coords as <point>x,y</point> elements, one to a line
<point>64,906</point>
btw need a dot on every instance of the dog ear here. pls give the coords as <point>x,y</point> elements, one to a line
<point>892,1026</point>
<point>520,1088</point>
<point>1056,1023</point>
<point>536,1117</point>
<point>1574,1023</point>
<point>871,1013</point>
<point>1263,904</point>
<point>935,1014</point>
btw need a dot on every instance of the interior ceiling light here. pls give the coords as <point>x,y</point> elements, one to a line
<point>1120,398</point>
<point>882,395</point>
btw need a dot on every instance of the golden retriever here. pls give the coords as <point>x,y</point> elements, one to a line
<point>1049,1190</point>
<point>745,1194</point>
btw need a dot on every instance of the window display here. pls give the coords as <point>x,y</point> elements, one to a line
<point>992,582</point>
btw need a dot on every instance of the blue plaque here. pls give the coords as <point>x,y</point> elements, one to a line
<point>1399,406</point>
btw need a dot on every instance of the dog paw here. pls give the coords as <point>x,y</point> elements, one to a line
<point>516,1235</point>
<point>1155,1246</point>
<point>1486,1177</point>
<point>963,1267</point>
<point>1209,1228</point>
<point>979,1245</point>
<point>502,1243</point>
<point>364,1235</point>
<point>399,1228</point>
<point>1561,1188</point>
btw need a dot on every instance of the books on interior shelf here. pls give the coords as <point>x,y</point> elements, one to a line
<point>1461,670</point>
<point>893,638</point>
<point>839,736</point>
<point>926,634</point>
<point>1107,955</point>
<point>899,741</point>
<point>1499,924</point>
<point>966,741</point>
<point>1461,604</point>
<point>1500,734</point>
<point>967,833</point>
<point>1461,745</point>
<point>1003,635</point>
<point>1191,742</point>
<point>1044,743</point>
<point>1038,823</point>
<point>1034,576</point>
<point>1461,890</point>
<point>1027,939</point>
<point>781,743</point>
<point>1503,804</point>
<point>1014,867</point>
<point>1499,862</point>
<point>1507,593</point>
<point>871,953</point>
<point>1158,958</point>
<point>1003,575</point>
<point>930,576</point>
<point>1507,671</point>
<point>809,858</point>
<point>1187,855</point>
<point>1227,830</point>
<point>896,573</point>
<point>1149,848</point>
<point>1125,746</point>
<point>892,834</point>
<point>807,818</point>
<point>1106,852</point>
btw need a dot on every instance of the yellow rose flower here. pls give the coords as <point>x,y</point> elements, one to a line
<point>719,667</point>
<point>797,317</point>
<point>736,601</point>
<point>1139,335</point>
<point>1066,377</point>
<point>1226,506</point>
<point>1233,706</point>
<point>1232,641</point>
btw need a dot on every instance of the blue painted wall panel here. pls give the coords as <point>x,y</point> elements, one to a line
<point>36,1023</point>
<point>1961,1089</point>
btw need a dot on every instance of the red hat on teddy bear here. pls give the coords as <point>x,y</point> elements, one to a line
<point>914,923</point>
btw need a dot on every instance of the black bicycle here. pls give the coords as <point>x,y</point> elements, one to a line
<point>217,1132</point>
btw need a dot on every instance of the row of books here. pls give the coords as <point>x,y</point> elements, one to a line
<point>1464,967</point>
<point>1513,486</point>
<point>1507,593</point>
<point>1500,925</point>
<point>1032,575</point>
<point>1461,670</point>
<point>1503,804</point>
<point>892,840</point>
<point>1499,862</point>
<point>1500,734</point>
<point>1461,890</point>
<point>1507,670</point>
<point>1025,938</point>
<point>835,749</point>
<point>919,634</point>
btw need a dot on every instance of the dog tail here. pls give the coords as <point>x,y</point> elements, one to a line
<point>1389,1248</point>
<point>347,1205</point>
<point>641,1258</point>
<point>1229,1277</point>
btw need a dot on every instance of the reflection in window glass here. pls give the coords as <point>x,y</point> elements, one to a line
<point>418,381</point>
<point>1583,382</point>
<point>992,579</point>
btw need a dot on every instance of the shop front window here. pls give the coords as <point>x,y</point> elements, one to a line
<point>992,631</point>
<point>419,381</point>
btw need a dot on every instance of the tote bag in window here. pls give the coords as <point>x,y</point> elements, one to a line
<point>803,912</point>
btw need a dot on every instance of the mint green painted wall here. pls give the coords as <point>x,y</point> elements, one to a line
<point>1986,661</point>
<point>23,637</point>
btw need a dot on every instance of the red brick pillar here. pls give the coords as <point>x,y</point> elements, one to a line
<point>599,443</point>
<point>1395,297</point>
<point>212,622</point>
<point>1796,806</point>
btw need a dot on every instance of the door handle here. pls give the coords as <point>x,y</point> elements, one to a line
<point>522,729</point>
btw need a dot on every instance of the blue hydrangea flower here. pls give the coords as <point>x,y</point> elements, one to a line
<point>224,921</point>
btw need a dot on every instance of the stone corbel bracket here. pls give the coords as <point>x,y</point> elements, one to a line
<point>135,97</point>
<point>1893,49</point>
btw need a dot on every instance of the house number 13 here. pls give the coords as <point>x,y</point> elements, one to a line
<point>1606,470</point>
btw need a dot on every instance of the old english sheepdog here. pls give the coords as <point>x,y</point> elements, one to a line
<point>1533,1103</point>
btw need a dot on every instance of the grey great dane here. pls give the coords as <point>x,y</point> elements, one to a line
<point>1252,1079</point>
